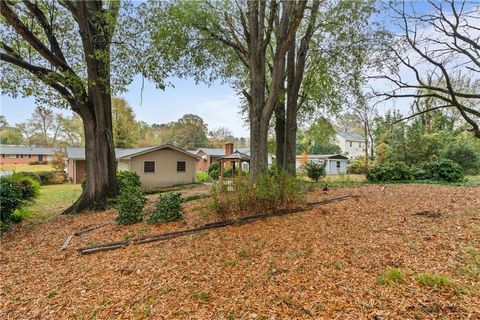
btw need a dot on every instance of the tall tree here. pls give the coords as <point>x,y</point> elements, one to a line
<point>64,48</point>
<point>125,127</point>
<point>440,47</point>
<point>239,34</point>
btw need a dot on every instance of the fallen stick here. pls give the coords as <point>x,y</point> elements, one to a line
<point>90,228</point>
<point>67,241</point>
<point>208,226</point>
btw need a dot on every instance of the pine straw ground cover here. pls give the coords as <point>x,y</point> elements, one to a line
<point>333,261</point>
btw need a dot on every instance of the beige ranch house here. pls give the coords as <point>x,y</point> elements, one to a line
<point>157,166</point>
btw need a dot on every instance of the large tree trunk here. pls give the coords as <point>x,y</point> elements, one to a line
<point>258,148</point>
<point>293,88</point>
<point>96,109</point>
<point>101,183</point>
<point>280,134</point>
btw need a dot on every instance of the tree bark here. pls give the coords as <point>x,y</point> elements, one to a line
<point>96,110</point>
<point>296,61</point>
<point>280,134</point>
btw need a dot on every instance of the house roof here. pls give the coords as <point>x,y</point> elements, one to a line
<point>324,156</point>
<point>237,156</point>
<point>77,153</point>
<point>10,149</point>
<point>219,152</point>
<point>351,136</point>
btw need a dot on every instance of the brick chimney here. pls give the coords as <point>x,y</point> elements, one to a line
<point>228,149</point>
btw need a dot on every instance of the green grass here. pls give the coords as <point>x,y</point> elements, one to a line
<point>202,177</point>
<point>52,200</point>
<point>473,181</point>
<point>432,280</point>
<point>392,276</point>
<point>26,167</point>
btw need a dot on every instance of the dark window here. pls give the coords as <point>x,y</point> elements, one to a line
<point>338,164</point>
<point>350,143</point>
<point>181,166</point>
<point>40,157</point>
<point>149,166</point>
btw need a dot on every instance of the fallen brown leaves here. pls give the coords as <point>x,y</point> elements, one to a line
<point>322,263</point>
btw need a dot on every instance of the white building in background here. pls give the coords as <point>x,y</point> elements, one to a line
<point>351,144</point>
<point>336,163</point>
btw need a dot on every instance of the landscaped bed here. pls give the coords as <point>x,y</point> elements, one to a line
<point>409,251</point>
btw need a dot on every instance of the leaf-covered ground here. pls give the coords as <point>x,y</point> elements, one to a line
<point>411,252</point>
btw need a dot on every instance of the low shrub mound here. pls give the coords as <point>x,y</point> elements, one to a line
<point>266,193</point>
<point>392,171</point>
<point>442,170</point>
<point>47,177</point>
<point>15,191</point>
<point>129,204</point>
<point>128,179</point>
<point>167,208</point>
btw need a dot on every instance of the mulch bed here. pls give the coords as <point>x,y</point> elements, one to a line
<point>323,263</point>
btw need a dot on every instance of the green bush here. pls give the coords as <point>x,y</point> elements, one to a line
<point>443,170</point>
<point>266,193</point>
<point>357,166</point>
<point>35,176</point>
<point>46,177</point>
<point>11,199</point>
<point>391,171</point>
<point>128,179</point>
<point>167,208</point>
<point>29,187</point>
<point>129,204</point>
<point>58,178</point>
<point>214,170</point>
<point>202,177</point>
<point>315,170</point>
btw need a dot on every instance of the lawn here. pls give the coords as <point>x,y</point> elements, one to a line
<point>52,200</point>
<point>409,252</point>
<point>26,167</point>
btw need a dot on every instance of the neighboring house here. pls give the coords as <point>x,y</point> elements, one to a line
<point>351,144</point>
<point>157,166</point>
<point>210,155</point>
<point>336,163</point>
<point>10,154</point>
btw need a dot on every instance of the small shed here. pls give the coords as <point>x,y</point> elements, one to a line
<point>336,163</point>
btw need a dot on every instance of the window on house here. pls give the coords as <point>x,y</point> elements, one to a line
<point>338,164</point>
<point>24,156</point>
<point>181,166</point>
<point>350,143</point>
<point>360,144</point>
<point>148,166</point>
<point>9,155</point>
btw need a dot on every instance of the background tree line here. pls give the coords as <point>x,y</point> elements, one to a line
<point>50,129</point>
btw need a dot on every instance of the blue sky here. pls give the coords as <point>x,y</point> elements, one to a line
<point>216,104</point>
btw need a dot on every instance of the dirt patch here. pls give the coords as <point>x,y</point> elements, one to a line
<point>322,263</point>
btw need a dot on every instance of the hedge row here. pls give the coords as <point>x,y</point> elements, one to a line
<point>441,170</point>
<point>47,177</point>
